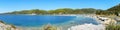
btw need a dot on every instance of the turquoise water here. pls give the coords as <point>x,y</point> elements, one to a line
<point>39,20</point>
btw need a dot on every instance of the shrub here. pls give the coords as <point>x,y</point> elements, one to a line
<point>113,27</point>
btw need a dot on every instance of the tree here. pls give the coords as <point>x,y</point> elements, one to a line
<point>115,9</point>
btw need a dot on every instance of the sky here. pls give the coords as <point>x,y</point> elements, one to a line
<point>18,5</point>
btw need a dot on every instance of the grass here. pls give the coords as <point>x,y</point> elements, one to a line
<point>113,27</point>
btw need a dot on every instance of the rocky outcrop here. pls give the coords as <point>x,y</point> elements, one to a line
<point>87,27</point>
<point>109,21</point>
<point>50,27</point>
<point>106,20</point>
<point>4,26</point>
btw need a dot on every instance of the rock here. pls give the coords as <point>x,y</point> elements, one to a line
<point>110,21</point>
<point>4,26</point>
<point>117,18</point>
<point>87,27</point>
<point>50,27</point>
<point>106,20</point>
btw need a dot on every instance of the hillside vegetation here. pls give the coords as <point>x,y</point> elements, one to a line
<point>115,10</point>
<point>56,11</point>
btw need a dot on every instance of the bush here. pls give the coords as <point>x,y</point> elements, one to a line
<point>113,27</point>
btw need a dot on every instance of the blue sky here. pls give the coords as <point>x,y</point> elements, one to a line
<point>17,5</point>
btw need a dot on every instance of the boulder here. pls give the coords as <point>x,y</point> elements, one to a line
<point>4,26</point>
<point>87,27</point>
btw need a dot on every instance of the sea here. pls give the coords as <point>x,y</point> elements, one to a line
<point>41,20</point>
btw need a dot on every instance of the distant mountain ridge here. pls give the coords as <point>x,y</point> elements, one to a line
<point>56,11</point>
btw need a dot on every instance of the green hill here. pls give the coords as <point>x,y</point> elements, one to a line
<point>115,10</point>
<point>56,11</point>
